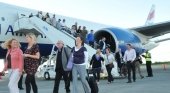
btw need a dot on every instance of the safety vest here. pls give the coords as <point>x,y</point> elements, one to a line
<point>148,57</point>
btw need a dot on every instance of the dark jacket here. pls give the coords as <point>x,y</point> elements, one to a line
<point>65,53</point>
<point>78,56</point>
<point>101,43</point>
<point>117,57</point>
<point>96,63</point>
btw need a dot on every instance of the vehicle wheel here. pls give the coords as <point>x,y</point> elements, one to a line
<point>47,76</point>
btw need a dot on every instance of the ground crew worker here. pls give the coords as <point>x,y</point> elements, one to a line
<point>147,56</point>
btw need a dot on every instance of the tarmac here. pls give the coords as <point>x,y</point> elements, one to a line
<point>159,83</point>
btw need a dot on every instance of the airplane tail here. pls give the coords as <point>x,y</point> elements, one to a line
<point>151,16</point>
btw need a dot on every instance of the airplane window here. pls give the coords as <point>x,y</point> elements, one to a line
<point>2,18</point>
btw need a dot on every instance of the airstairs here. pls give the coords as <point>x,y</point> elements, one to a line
<point>39,27</point>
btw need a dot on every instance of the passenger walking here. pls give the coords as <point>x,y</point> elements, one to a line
<point>63,25</point>
<point>147,56</point>
<point>118,58</point>
<point>102,44</point>
<point>90,38</point>
<point>61,59</point>
<point>96,63</point>
<point>14,64</point>
<point>129,57</point>
<point>31,62</point>
<point>84,33</point>
<point>109,59</point>
<point>39,15</point>
<point>47,18</point>
<point>58,24</point>
<point>53,21</point>
<point>79,30</point>
<point>138,62</point>
<point>80,59</point>
<point>73,31</point>
<point>76,26</point>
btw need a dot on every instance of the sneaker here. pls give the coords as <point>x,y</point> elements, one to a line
<point>68,91</point>
<point>21,88</point>
<point>142,77</point>
<point>108,82</point>
<point>150,76</point>
<point>129,82</point>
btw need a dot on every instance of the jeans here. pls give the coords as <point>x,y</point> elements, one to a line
<point>81,70</point>
<point>13,80</point>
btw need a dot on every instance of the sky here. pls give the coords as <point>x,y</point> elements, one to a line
<point>118,13</point>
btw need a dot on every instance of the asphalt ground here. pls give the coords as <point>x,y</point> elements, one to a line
<point>159,83</point>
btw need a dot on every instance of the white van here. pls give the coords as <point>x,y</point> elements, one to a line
<point>46,70</point>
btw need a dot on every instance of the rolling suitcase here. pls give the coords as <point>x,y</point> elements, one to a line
<point>92,82</point>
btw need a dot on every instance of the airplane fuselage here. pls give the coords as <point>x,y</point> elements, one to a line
<point>116,37</point>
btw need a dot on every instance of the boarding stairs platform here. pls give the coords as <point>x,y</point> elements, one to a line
<point>38,26</point>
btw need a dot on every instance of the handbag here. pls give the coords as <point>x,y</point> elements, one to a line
<point>70,60</point>
<point>70,63</point>
<point>111,65</point>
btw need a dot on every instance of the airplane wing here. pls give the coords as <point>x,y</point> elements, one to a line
<point>154,30</point>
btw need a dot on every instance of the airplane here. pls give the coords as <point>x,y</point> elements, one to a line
<point>14,21</point>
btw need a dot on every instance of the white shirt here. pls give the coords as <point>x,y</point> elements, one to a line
<point>40,15</point>
<point>109,59</point>
<point>73,31</point>
<point>63,24</point>
<point>53,21</point>
<point>120,54</point>
<point>48,20</point>
<point>129,55</point>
